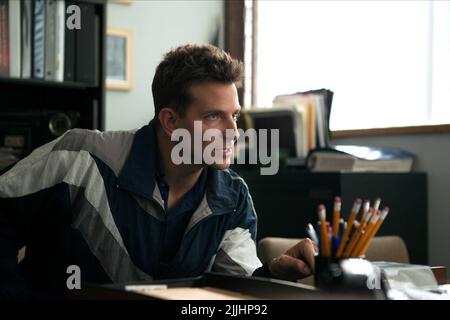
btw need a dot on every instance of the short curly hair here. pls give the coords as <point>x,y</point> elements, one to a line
<point>187,65</point>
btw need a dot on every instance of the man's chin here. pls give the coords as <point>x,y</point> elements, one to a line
<point>220,166</point>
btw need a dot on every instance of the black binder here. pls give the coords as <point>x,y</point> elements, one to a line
<point>69,49</point>
<point>86,41</point>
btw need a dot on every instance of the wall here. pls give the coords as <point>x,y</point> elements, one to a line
<point>157,26</point>
<point>433,157</point>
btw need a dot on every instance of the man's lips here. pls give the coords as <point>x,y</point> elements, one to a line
<point>225,151</point>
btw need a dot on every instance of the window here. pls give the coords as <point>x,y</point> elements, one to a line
<point>388,62</point>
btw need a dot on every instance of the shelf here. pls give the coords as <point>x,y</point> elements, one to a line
<point>27,104</point>
<point>45,83</point>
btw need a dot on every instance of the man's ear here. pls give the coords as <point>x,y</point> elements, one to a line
<point>168,119</point>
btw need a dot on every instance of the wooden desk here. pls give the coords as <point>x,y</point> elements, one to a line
<point>257,288</point>
<point>440,273</point>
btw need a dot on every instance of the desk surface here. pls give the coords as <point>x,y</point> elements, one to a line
<point>246,287</point>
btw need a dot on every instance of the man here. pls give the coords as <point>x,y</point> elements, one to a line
<point>116,206</point>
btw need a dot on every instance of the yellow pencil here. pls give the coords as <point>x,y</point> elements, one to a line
<point>357,234</point>
<point>356,225</point>
<point>376,204</point>
<point>374,209</point>
<point>351,219</point>
<point>324,245</point>
<point>364,236</point>
<point>383,215</point>
<point>336,216</point>
<point>370,224</point>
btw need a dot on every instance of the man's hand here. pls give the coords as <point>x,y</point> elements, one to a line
<point>296,263</point>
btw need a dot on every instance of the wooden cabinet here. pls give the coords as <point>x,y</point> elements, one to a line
<point>286,202</point>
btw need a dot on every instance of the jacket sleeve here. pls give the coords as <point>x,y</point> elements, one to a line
<point>237,251</point>
<point>24,189</point>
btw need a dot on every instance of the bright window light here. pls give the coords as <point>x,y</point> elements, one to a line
<point>388,62</point>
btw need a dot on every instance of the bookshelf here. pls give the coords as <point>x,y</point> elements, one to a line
<point>36,110</point>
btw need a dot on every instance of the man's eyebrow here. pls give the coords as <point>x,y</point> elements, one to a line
<point>218,110</point>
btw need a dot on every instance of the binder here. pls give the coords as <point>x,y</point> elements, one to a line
<point>38,39</point>
<point>50,39</point>
<point>26,31</point>
<point>86,37</point>
<point>318,104</point>
<point>69,48</point>
<point>14,39</point>
<point>4,38</point>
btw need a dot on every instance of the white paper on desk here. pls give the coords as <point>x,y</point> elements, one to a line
<point>416,294</point>
<point>145,287</point>
<point>402,276</point>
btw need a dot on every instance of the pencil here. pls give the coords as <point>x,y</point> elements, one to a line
<point>323,231</point>
<point>372,219</point>
<point>341,227</point>
<point>367,232</point>
<point>336,216</point>
<point>312,233</point>
<point>376,204</point>
<point>383,215</point>
<point>351,219</point>
<point>357,234</point>
<point>356,225</point>
<point>374,209</point>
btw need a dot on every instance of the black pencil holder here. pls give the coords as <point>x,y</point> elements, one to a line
<point>328,272</point>
<point>342,273</point>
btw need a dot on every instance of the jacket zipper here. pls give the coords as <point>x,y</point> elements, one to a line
<point>157,273</point>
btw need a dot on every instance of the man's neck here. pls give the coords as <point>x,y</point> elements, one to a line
<point>180,178</point>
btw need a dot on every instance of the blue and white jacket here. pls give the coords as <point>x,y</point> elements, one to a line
<point>90,199</point>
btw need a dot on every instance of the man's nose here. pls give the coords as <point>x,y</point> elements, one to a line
<point>231,131</point>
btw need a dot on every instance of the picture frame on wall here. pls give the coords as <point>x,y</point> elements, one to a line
<point>118,59</point>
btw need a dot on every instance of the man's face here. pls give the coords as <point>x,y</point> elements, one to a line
<point>216,105</point>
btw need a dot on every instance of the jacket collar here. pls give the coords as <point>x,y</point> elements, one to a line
<point>138,174</point>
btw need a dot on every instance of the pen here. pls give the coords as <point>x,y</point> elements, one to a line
<point>312,233</point>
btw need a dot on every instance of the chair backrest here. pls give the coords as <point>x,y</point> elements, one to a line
<point>387,248</point>
<point>384,248</point>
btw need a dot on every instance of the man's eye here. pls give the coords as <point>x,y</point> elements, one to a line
<point>236,116</point>
<point>212,116</point>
